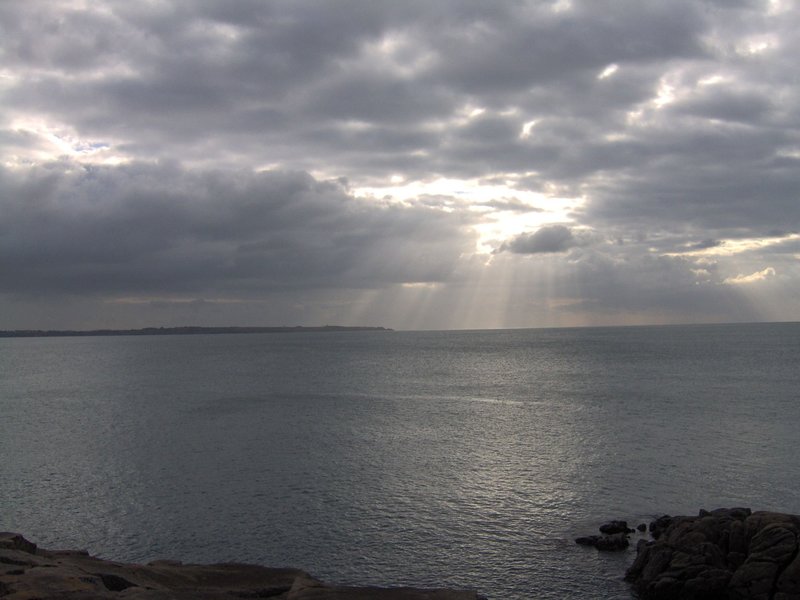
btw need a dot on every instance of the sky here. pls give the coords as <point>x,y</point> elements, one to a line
<point>415,165</point>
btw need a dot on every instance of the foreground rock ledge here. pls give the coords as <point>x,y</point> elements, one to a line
<point>28,573</point>
<point>724,554</point>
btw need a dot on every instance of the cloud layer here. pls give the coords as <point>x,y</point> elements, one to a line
<point>143,228</point>
<point>448,164</point>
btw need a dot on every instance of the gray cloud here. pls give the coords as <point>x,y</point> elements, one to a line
<point>551,238</point>
<point>161,229</point>
<point>674,128</point>
<point>705,244</point>
<point>530,44</point>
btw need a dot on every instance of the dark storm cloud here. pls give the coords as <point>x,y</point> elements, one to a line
<point>152,229</point>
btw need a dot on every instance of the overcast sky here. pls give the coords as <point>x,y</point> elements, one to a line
<point>447,164</point>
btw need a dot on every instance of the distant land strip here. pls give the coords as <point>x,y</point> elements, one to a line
<point>183,331</point>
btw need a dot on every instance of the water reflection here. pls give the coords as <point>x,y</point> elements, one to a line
<point>467,459</point>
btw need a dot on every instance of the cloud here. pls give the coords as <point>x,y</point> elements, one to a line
<point>204,146</point>
<point>511,205</point>
<point>705,244</point>
<point>528,44</point>
<point>366,87</point>
<point>159,228</point>
<point>545,240</point>
<point>767,273</point>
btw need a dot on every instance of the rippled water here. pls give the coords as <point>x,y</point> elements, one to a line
<point>468,459</point>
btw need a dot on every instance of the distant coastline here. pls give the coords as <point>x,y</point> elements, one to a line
<point>190,330</point>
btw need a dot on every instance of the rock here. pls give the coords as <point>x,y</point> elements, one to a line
<point>642,527</point>
<point>615,527</point>
<point>614,542</point>
<point>658,526</point>
<point>587,540</point>
<point>14,541</point>
<point>723,554</point>
<point>28,572</point>
<point>788,584</point>
<point>614,538</point>
<point>608,543</point>
<point>772,549</point>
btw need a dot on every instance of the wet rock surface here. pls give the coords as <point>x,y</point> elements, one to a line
<point>724,554</point>
<point>28,573</point>
<point>607,543</point>
<point>613,538</point>
<point>613,527</point>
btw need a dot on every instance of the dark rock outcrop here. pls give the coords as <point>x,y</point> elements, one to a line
<point>613,527</point>
<point>658,526</point>
<point>724,554</point>
<point>614,538</point>
<point>608,543</point>
<point>28,572</point>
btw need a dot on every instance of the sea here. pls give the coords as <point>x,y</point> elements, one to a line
<point>465,459</point>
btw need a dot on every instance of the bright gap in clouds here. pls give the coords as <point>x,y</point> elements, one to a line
<point>733,247</point>
<point>52,142</point>
<point>608,71</point>
<point>500,211</point>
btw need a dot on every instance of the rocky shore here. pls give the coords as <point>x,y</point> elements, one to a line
<point>31,573</point>
<point>723,554</point>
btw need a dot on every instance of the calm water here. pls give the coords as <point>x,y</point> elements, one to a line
<point>467,459</point>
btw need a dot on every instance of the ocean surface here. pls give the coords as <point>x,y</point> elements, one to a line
<point>466,459</point>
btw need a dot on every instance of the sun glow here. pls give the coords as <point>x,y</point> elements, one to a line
<point>665,94</point>
<point>779,6</point>
<point>50,142</point>
<point>561,6</point>
<point>608,71</point>
<point>756,45</point>
<point>526,129</point>
<point>751,278</point>
<point>500,210</point>
<point>395,52</point>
